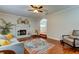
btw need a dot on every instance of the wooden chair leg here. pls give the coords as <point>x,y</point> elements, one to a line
<point>74,49</point>
<point>61,41</point>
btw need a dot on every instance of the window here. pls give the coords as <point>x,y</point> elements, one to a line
<point>43,26</point>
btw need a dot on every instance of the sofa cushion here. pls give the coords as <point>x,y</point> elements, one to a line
<point>14,40</point>
<point>8,37</point>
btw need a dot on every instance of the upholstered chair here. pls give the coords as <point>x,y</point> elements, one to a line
<point>72,40</point>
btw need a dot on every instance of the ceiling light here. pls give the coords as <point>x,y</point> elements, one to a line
<point>35,11</point>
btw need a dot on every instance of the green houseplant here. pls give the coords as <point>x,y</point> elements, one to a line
<point>5,27</point>
<point>36,31</point>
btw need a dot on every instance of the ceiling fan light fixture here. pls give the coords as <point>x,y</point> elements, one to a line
<point>35,11</point>
<point>38,9</point>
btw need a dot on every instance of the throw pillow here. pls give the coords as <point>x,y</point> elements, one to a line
<point>4,42</point>
<point>9,36</point>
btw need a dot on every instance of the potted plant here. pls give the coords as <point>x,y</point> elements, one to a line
<point>6,27</point>
<point>36,31</point>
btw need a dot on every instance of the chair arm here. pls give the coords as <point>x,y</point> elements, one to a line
<point>75,41</point>
<point>64,36</point>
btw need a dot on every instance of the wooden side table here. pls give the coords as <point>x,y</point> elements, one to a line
<point>34,36</point>
<point>23,39</point>
<point>43,36</point>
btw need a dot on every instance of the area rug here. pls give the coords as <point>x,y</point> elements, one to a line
<point>38,46</point>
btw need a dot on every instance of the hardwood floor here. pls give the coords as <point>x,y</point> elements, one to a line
<point>59,48</point>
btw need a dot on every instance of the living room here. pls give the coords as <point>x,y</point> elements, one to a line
<point>27,28</point>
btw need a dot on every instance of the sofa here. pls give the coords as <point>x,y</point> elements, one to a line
<point>15,45</point>
<point>18,48</point>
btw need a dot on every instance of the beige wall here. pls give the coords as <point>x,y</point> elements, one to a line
<point>37,24</point>
<point>59,23</point>
<point>13,19</point>
<point>62,22</point>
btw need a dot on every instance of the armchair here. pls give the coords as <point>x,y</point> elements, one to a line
<point>72,40</point>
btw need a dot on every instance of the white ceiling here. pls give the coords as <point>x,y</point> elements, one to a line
<point>22,10</point>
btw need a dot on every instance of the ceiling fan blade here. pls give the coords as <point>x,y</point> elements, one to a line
<point>32,6</point>
<point>36,6</point>
<point>40,10</point>
<point>40,7</point>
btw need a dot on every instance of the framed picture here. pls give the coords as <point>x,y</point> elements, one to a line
<point>22,21</point>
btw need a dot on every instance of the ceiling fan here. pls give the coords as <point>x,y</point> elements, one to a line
<point>37,9</point>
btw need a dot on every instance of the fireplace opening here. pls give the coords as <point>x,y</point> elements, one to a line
<point>22,32</point>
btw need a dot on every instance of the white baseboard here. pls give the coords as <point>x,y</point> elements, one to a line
<point>54,38</point>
